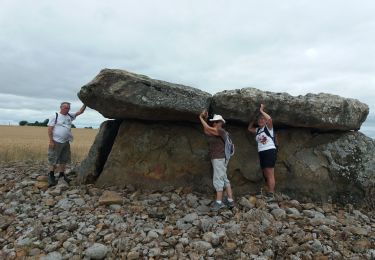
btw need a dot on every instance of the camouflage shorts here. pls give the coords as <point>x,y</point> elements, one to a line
<point>60,154</point>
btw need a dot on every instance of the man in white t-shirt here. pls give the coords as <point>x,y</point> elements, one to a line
<point>60,136</point>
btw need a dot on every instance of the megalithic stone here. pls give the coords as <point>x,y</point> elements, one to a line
<point>120,94</point>
<point>319,111</point>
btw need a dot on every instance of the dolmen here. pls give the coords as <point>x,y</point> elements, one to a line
<point>153,139</point>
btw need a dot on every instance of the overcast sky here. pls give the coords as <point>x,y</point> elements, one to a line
<point>49,49</point>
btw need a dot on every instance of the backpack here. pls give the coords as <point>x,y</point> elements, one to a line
<point>71,117</point>
<point>229,146</point>
<point>274,138</point>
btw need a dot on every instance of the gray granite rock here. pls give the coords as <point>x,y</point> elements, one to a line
<point>120,94</point>
<point>278,213</point>
<point>96,251</point>
<point>319,111</point>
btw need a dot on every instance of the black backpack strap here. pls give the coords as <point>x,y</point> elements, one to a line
<point>267,132</point>
<point>71,117</point>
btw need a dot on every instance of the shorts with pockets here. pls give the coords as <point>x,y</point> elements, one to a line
<point>60,154</point>
<point>220,179</point>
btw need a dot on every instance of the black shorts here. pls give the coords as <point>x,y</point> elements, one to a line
<point>267,158</point>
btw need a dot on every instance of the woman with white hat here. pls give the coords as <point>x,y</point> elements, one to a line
<point>217,137</point>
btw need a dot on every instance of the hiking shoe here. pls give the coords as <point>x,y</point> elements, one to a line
<point>217,206</point>
<point>229,204</point>
<point>65,178</point>
<point>51,180</point>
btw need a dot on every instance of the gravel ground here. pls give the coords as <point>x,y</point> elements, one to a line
<point>85,222</point>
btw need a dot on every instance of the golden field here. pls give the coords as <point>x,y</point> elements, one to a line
<point>19,143</point>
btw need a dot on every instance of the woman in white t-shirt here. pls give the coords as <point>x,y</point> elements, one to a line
<point>264,137</point>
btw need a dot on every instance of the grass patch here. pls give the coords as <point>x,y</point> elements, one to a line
<point>19,143</point>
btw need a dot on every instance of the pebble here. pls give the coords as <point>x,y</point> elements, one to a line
<point>278,213</point>
<point>110,197</point>
<point>293,211</point>
<point>201,246</point>
<point>96,251</point>
<point>52,256</point>
<point>41,185</point>
<point>244,202</point>
<point>211,238</point>
<point>190,218</point>
<point>133,255</point>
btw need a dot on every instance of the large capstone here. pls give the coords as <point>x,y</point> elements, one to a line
<point>121,94</point>
<point>319,111</point>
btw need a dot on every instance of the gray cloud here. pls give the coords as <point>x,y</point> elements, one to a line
<point>50,49</point>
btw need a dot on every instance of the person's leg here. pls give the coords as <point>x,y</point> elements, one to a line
<point>218,182</point>
<point>219,196</point>
<point>269,174</point>
<point>51,175</point>
<point>52,157</point>
<point>229,192</point>
<point>262,160</point>
<point>61,169</point>
<point>267,162</point>
<point>62,173</point>
<point>228,200</point>
<point>51,168</point>
<point>64,159</point>
<point>227,187</point>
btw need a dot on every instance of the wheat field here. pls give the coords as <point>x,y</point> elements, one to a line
<point>18,143</point>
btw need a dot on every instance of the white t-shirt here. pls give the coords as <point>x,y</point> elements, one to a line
<point>62,129</point>
<point>264,141</point>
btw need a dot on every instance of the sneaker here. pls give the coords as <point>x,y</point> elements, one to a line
<point>229,204</point>
<point>65,178</point>
<point>51,180</point>
<point>217,206</point>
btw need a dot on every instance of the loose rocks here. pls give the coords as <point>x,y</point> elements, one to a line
<point>145,226</point>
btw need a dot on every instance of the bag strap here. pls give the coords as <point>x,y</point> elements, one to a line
<point>71,117</point>
<point>222,138</point>
<point>269,134</point>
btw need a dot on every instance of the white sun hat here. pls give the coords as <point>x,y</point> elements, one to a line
<point>217,118</point>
